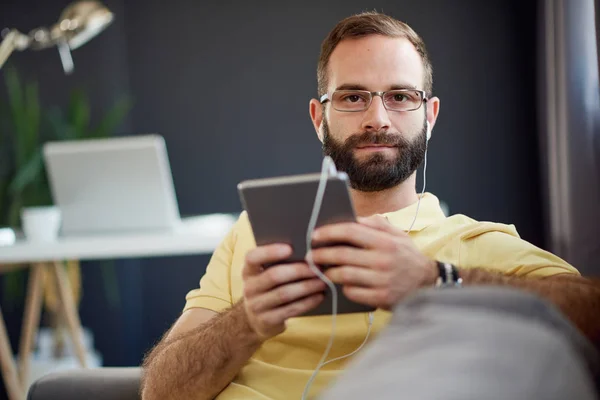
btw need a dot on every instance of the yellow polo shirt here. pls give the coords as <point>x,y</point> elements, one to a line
<point>282,366</point>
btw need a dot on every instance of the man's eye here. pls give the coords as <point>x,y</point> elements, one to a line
<point>353,98</point>
<point>399,98</point>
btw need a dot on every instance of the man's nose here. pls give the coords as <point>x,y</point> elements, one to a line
<point>376,117</point>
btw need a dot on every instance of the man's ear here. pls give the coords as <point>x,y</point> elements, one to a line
<point>433,110</point>
<point>315,110</point>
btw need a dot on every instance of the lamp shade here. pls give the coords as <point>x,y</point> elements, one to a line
<point>80,22</point>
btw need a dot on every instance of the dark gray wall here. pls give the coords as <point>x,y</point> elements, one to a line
<point>228,85</point>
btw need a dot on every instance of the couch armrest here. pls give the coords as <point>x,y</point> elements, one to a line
<point>88,384</point>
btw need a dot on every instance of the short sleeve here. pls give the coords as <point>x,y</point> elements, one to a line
<point>504,251</point>
<point>214,292</point>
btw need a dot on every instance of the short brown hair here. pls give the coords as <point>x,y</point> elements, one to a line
<point>370,23</point>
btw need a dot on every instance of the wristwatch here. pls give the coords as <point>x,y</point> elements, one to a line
<point>447,276</point>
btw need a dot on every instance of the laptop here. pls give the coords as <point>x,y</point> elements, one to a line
<point>121,184</point>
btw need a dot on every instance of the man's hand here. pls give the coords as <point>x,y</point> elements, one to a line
<point>383,268</point>
<point>277,293</point>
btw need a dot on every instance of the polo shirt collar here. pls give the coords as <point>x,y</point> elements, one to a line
<point>430,213</point>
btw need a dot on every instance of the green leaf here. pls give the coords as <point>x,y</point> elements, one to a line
<point>5,164</point>
<point>3,190</point>
<point>25,112</point>
<point>79,113</point>
<point>15,100</point>
<point>113,118</point>
<point>27,174</point>
<point>4,116</point>
<point>58,127</point>
<point>32,110</point>
<point>14,211</point>
<point>15,94</point>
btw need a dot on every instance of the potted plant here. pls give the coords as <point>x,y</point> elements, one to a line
<point>24,128</point>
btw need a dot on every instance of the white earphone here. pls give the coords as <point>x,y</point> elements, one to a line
<point>428,131</point>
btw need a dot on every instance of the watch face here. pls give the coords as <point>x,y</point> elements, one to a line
<point>448,276</point>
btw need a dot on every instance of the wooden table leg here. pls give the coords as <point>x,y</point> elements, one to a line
<point>31,320</point>
<point>9,369</point>
<point>69,310</point>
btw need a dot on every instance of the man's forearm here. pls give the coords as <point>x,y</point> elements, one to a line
<point>578,298</point>
<point>200,363</point>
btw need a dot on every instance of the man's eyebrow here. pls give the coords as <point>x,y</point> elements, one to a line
<point>355,86</point>
<point>403,86</point>
<point>351,86</point>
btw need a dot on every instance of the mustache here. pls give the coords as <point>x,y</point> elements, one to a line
<point>375,138</point>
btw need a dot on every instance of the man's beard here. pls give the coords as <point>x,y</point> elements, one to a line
<point>376,172</point>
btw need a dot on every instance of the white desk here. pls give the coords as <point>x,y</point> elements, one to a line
<point>112,246</point>
<point>199,235</point>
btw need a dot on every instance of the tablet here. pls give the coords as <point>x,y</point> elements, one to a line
<point>279,210</point>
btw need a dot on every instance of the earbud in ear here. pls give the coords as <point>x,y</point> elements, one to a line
<point>428,130</point>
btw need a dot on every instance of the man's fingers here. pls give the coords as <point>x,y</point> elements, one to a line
<point>355,276</point>
<point>275,276</point>
<point>286,294</point>
<point>280,314</point>
<point>346,255</point>
<point>269,254</point>
<point>362,295</point>
<point>354,234</point>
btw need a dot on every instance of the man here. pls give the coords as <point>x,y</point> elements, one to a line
<point>238,338</point>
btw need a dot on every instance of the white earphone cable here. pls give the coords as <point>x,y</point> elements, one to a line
<point>328,169</point>
<point>327,165</point>
<point>424,185</point>
<point>371,318</point>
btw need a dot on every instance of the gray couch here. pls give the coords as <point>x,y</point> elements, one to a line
<point>484,322</point>
<point>91,384</point>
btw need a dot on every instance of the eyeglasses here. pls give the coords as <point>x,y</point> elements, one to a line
<point>360,100</point>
